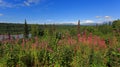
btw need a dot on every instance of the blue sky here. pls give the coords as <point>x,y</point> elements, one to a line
<point>59,11</point>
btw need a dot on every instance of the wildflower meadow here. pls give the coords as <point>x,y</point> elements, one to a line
<point>62,46</point>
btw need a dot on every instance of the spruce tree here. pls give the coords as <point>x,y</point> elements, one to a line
<point>26,31</point>
<point>78,27</point>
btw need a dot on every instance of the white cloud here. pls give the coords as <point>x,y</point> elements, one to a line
<point>76,22</point>
<point>1,14</point>
<point>87,21</point>
<point>33,1</point>
<point>18,3</point>
<point>4,4</point>
<point>29,2</point>
<point>68,22</point>
<point>101,19</point>
<point>98,16</point>
<point>107,17</point>
<point>99,22</point>
<point>26,3</point>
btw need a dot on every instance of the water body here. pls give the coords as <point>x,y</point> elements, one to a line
<point>4,37</point>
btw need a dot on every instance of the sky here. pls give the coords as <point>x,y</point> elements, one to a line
<point>59,11</point>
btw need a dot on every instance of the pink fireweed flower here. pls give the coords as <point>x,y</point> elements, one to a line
<point>72,41</point>
<point>90,35</point>
<point>69,40</point>
<point>95,41</point>
<point>23,43</point>
<point>118,49</point>
<point>49,49</point>
<point>17,38</point>
<point>84,37</point>
<point>79,38</point>
<point>78,35</point>
<point>43,44</point>
<point>63,37</point>
<point>101,43</point>
<point>84,33</point>
<point>89,40</point>
<point>36,41</point>
<point>33,46</point>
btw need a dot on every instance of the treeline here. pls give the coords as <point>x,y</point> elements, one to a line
<point>17,28</point>
<point>105,30</point>
<point>12,28</point>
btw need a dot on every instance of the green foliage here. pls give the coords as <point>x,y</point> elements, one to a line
<point>66,55</point>
<point>116,28</point>
<point>116,25</point>
<point>73,31</point>
<point>36,30</point>
<point>58,35</point>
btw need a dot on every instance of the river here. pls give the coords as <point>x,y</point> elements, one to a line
<point>4,37</point>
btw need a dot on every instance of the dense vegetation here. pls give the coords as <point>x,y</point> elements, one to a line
<point>62,46</point>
